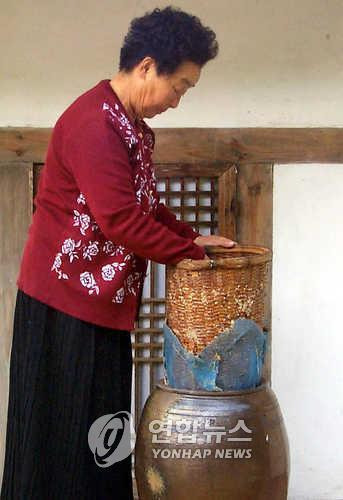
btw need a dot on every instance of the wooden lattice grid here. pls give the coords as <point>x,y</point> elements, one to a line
<point>194,200</point>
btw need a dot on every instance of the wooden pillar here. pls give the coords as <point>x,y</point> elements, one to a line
<point>16,195</point>
<point>254,224</point>
<point>227,192</point>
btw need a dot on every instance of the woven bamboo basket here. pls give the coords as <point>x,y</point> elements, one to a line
<point>205,297</point>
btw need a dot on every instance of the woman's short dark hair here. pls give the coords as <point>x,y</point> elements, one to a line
<point>171,37</point>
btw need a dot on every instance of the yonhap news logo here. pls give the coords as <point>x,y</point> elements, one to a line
<point>202,431</point>
<point>112,438</point>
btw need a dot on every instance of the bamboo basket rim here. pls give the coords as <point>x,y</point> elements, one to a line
<point>254,255</point>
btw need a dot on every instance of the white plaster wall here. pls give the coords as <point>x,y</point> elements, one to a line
<point>280,61</point>
<point>307,368</point>
<point>280,65</point>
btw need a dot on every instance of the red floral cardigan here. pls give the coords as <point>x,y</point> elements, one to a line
<point>98,217</point>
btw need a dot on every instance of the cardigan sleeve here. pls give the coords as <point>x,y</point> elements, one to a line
<point>167,218</point>
<point>99,162</point>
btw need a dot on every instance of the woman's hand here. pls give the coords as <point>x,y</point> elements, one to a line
<point>213,240</point>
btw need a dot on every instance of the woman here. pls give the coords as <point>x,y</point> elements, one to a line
<point>97,220</point>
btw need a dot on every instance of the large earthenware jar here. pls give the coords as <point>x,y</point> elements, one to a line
<point>201,445</point>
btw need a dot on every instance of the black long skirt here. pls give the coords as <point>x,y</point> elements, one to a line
<point>64,374</point>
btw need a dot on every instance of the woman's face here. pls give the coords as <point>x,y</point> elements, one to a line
<point>157,93</point>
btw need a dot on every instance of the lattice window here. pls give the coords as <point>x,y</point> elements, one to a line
<point>194,200</point>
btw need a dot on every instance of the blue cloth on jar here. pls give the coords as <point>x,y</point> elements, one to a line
<point>232,361</point>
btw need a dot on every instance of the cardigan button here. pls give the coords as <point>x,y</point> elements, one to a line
<point>140,135</point>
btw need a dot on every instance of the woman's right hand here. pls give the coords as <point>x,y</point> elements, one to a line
<point>213,240</point>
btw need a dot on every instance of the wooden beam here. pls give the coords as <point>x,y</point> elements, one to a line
<point>194,145</point>
<point>199,169</point>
